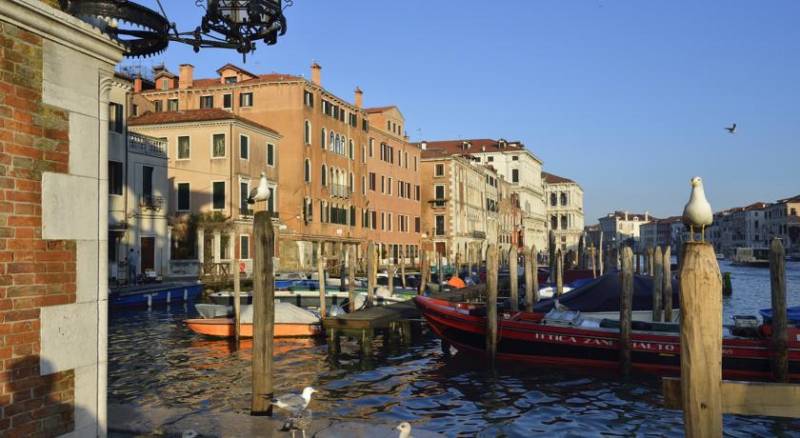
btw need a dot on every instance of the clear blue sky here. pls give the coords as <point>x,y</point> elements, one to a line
<point>629,98</point>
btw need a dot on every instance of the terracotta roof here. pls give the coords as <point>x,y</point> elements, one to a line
<point>197,115</point>
<point>259,79</point>
<point>795,198</point>
<point>555,179</point>
<point>756,206</point>
<point>237,68</point>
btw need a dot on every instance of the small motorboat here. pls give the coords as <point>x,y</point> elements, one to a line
<point>290,321</point>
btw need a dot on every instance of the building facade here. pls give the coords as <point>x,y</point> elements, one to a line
<point>320,132</point>
<point>622,227</point>
<point>137,195</point>
<point>782,219</point>
<point>215,159</point>
<point>658,232</point>
<point>564,199</point>
<point>391,186</point>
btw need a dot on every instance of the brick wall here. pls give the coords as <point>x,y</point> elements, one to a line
<point>33,272</point>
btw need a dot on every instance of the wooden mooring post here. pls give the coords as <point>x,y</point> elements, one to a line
<point>667,288</point>
<point>391,271</point>
<point>594,266</point>
<point>530,277</point>
<point>559,274</point>
<point>423,275</point>
<point>263,314</point>
<point>658,285</point>
<point>403,266</point>
<point>638,256</point>
<point>513,277</point>
<point>491,301</point>
<point>351,280</point>
<point>780,337</point>
<point>237,313</point>
<point>625,310</point>
<point>701,341</point>
<point>551,253</point>
<point>371,275</point>
<point>439,276</point>
<point>650,261</point>
<point>321,263</point>
<point>600,255</point>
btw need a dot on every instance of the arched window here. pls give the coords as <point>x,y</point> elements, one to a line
<point>322,139</point>
<point>307,171</point>
<point>307,133</point>
<point>553,199</point>
<point>564,222</point>
<point>324,174</point>
<point>332,141</point>
<point>352,151</point>
<point>563,198</point>
<point>554,222</point>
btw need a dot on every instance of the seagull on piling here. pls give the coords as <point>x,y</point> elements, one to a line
<point>405,430</point>
<point>697,212</point>
<point>260,193</point>
<point>731,129</point>
<point>295,403</point>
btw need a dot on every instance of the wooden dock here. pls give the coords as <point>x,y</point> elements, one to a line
<point>381,317</point>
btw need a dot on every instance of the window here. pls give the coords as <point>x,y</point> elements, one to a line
<point>363,185</point>
<point>270,154</point>
<point>244,147</point>
<point>416,224</point>
<point>515,158</point>
<point>184,197</point>
<point>490,159</point>
<point>218,149</point>
<point>374,220</point>
<point>383,221</point>
<point>351,150</point>
<point>515,175</point>
<point>554,222</point>
<point>372,181</point>
<point>272,200</point>
<point>439,225</point>
<point>352,184</point>
<point>322,139</point>
<point>353,120</point>
<point>244,247</point>
<point>371,147</point>
<point>135,110</point>
<point>308,210</point>
<point>324,178</point>
<point>415,164</point>
<point>218,195</point>
<point>227,101</point>
<point>165,84</point>
<point>553,200</point>
<point>363,154</point>
<point>364,125</point>
<point>439,170</point>
<point>439,192</point>
<point>416,193</point>
<point>308,99</point>
<point>172,104</point>
<point>224,242</point>
<point>244,193</point>
<point>184,148</point>
<point>389,221</point>
<point>115,117</point>
<point>114,178</point>
<point>246,99</point>
<point>158,106</point>
<point>206,101</point>
<point>383,184</point>
<point>307,171</point>
<point>388,125</point>
<point>147,181</point>
<point>230,79</point>
<point>563,198</point>
<point>389,186</point>
<point>307,133</point>
<point>563,222</point>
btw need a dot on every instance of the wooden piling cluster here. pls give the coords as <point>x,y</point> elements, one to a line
<point>372,273</point>
<point>531,279</point>
<point>351,280</point>
<point>321,262</point>
<point>667,288</point>
<point>658,273</point>
<point>263,314</point>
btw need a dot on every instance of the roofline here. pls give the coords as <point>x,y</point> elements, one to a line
<point>239,121</point>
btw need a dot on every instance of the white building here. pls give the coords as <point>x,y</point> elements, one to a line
<point>564,198</point>
<point>621,226</point>
<point>137,194</point>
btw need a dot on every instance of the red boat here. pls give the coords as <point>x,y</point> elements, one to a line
<point>529,337</point>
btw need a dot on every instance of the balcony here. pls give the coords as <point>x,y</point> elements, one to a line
<point>147,145</point>
<point>154,203</point>
<point>437,203</point>
<point>339,191</point>
<point>479,234</point>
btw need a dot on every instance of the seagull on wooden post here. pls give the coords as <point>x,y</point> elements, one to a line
<point>697,212</point>
<point>260,193</point>
<point>731,129</point>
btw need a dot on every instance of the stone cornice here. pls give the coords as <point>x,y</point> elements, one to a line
<point>53,24</point>
<point>206,123</point>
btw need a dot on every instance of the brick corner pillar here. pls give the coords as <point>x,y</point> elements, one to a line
<point>54,76</point>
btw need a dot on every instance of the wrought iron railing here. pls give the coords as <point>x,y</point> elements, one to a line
<point>154,203</point>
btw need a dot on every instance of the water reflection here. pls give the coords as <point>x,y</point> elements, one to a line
<point>156,361</point>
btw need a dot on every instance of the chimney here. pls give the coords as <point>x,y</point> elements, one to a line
<point>359,98</point>
<point>626,216</point>
<point>316,73</point>
<point>185,76</point>
<point>137,84</point>
<point>424,145</point>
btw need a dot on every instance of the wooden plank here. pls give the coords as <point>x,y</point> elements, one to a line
<point>263,314</point>
<point>780,338</point>
<point>701,341</point>
<point>744,398</point>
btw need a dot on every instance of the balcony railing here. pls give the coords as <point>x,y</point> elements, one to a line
<point>340,191</point>
<point>151,203</point>
<point>478,234</point>
<point>147,145</point>
<point>438,203</point>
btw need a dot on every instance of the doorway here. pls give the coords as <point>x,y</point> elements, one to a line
<point>148,252</point>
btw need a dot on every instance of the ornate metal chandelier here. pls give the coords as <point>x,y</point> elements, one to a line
<point>231,24</point>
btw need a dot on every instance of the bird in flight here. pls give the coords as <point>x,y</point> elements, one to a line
<point>731,129</point>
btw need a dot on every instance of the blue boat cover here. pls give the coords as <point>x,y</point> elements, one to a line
<point>602,295</point>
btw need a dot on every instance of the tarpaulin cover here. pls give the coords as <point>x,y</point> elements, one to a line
<point>602,295</point>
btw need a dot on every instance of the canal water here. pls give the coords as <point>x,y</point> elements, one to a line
<point>155,361</point>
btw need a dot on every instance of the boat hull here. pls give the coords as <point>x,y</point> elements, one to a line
<point>224,328</point>
<point>523,338</point>
<point>157,295</point>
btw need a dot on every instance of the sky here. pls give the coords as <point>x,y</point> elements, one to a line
<point>627,97</point>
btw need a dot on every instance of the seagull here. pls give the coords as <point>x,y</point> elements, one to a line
<point>301,422</point>
<point>697,212</point>
<point>405,430</point>
<point>731,129</point>
<point>295,403</point>
<point>260,193</point>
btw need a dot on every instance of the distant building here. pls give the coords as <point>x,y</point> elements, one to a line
<point>741,227</point>
<point>783,221</point>
<point>564,201</point>
<point>658,232</point>
<point>138,193</point>
<point>215,159</point>
<point>621,227</point>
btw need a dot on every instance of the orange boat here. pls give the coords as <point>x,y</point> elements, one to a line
<point>223,328</point>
